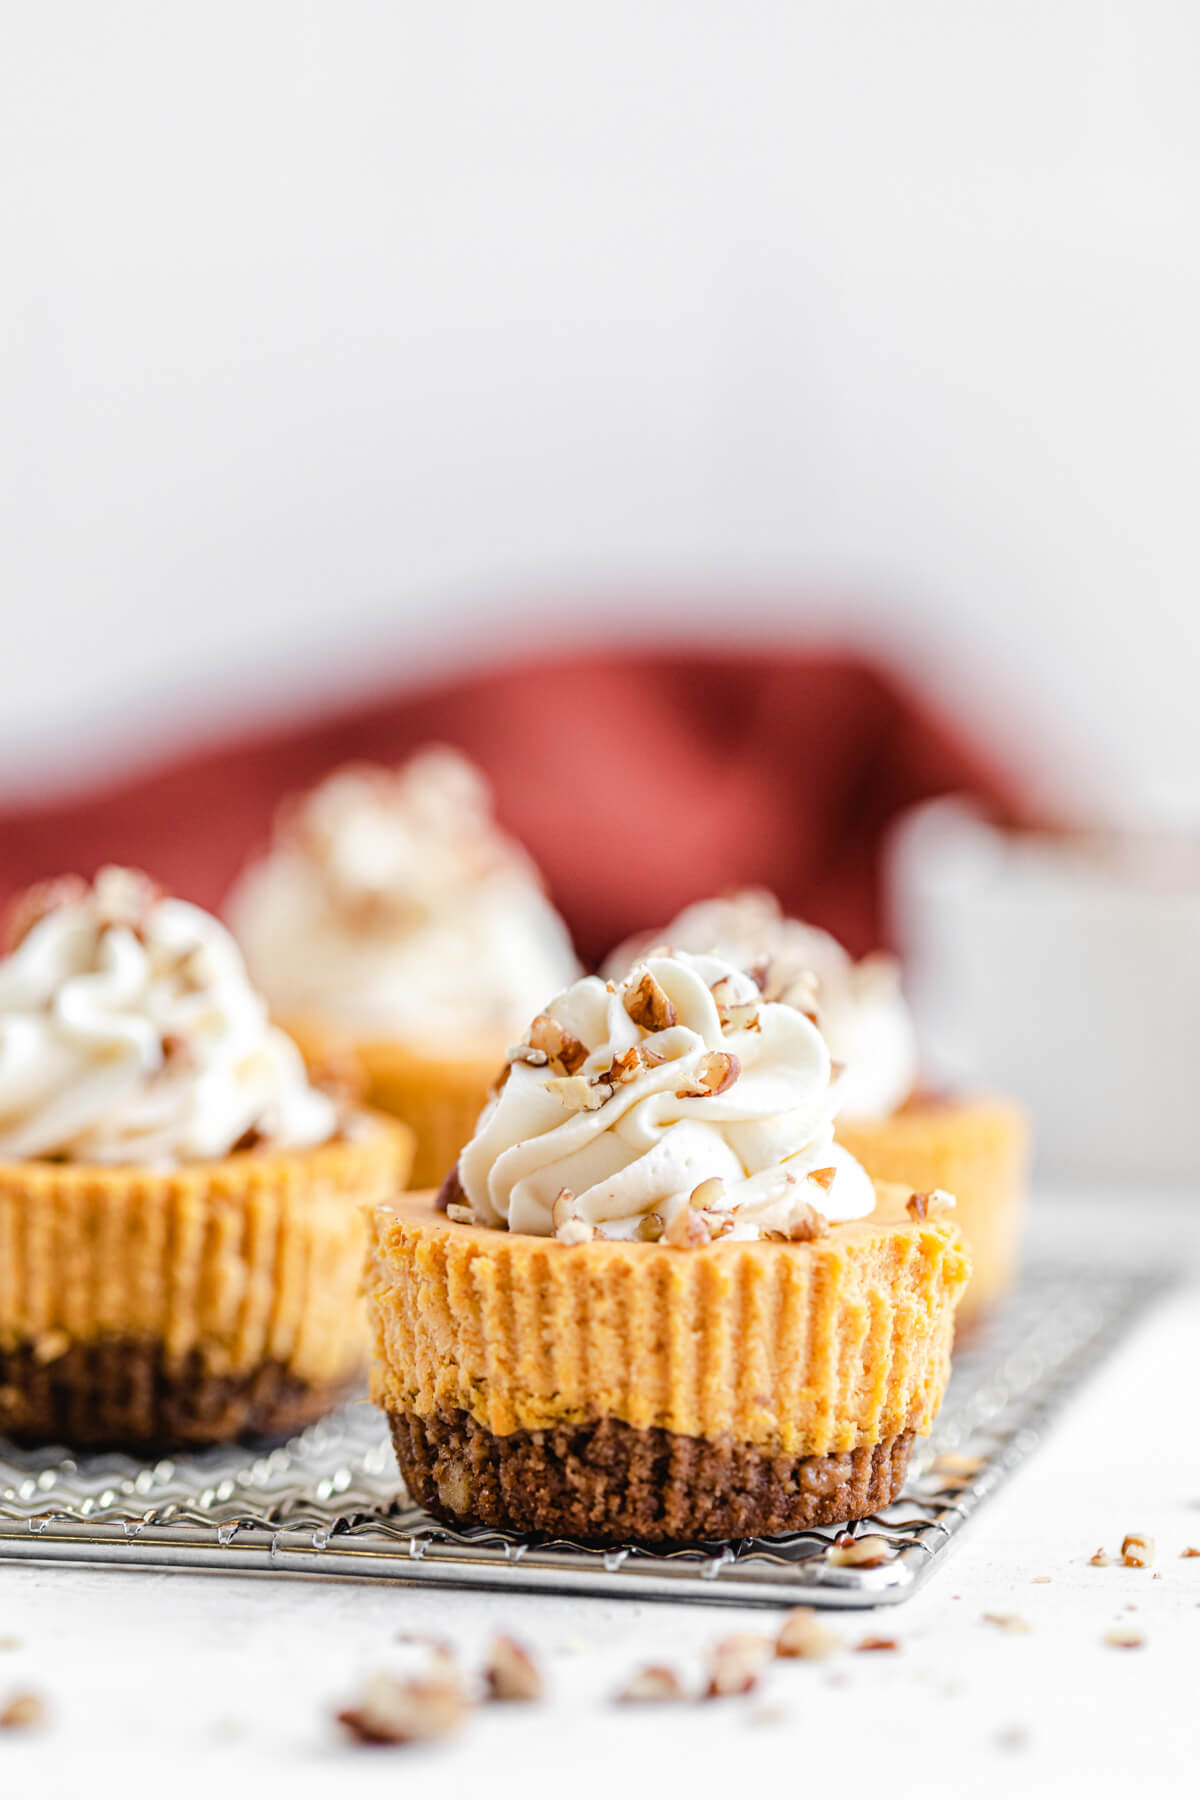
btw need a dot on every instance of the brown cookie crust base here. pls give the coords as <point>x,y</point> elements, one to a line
<point>125,1393</point>
<point>611,1483</point>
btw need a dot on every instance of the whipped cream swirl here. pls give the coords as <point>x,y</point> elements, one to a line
<point>391,903</point>
<point>679,1104</point>
<point>860,1006</point>
<point>129,1033</point>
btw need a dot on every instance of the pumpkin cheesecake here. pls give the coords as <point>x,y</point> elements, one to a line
<point>394,923</point>
<point>180,1226</point>
<point>973,1146</point>
<point>656,1301</point>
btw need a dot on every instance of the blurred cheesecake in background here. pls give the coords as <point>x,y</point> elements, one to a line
<point>394,920</point>
<point>181,1226</point>
<point>975,1148</point>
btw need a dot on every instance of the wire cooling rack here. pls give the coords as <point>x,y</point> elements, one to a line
<point>329,1502</point>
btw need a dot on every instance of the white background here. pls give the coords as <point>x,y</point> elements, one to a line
<point>337,337</point>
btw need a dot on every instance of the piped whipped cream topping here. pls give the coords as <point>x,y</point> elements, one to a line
<point>391,902</point>
<point>860,1006</point>
<point>677,1104</point>
<point>129,1033</point>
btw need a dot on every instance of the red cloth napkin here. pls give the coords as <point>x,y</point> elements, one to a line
<point>638,781</point>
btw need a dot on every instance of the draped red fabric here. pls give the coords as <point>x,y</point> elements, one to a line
<point>638,781</point>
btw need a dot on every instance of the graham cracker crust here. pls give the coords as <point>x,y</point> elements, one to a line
<point>124,1392</point>
<point>608,1482</point>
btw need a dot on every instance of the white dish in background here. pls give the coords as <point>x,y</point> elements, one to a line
<point>1064,967</point>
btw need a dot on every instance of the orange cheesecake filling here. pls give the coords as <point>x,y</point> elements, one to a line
<point>805,1348</point>
<point>254,1258</point>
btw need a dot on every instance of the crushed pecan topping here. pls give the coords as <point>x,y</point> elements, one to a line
<point>804,1634</point>
<point>824,1178</point>
<point>1190,1551</point>
<point>707,1196</point>
<point>736,1664</point>
<point>566,1055</point>
<point>623,1068</point>
<point>735,1015</point>
<point>451,1193</point>
<point>1101,1560</point>
<point>510,1671</point>
<point>650,1227</point>
<point>563,1207</point>
<point>687,1231</point>
<point>579,1092</point>
<point>878,1643</point>
<point>1006,1621</point>
<point>651,1685</point>
<point>577,1231</point>
<point>460,1215</point>
<point>648,1005</point>
<point>809,1224</point>
<point>1137,1551</point>
<point>715,1074</point>
<point>917,1206</point>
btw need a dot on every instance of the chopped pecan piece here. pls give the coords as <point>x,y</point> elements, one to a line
<point>809,1224</point>
<point>23,1712</point>
<point>623,1068</point>
<point>395,1711</point>
<point>824,1178</point>
<point>687,1231</point>
<point>715,1074</point>
<point>578,1092</point>
<point>653,1684</point>
<point>735,1665</point>
<point>1005,1621</point>
<point>877,1643</point>
<point>563,1208</point>
<point>576,1231</point>
<point>648,1004</point>
<point>849,1552</point>
<point>1125,1637</point>
<point>450,1193</point>
<point>1137,1551</point>
<point>804,1634</point>
<point>510,1671</point>
<point>565,1053</point>
<point>650,1227</point>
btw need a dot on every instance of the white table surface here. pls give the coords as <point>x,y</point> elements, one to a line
<point>183,1684</point>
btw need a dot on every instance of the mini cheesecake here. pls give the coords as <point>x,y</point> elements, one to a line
<point>976,1148</point>
<point>616,1391</point>
<point>181,1210</point>
<point>657,1302</point>
<point>393,921</point>
<point>149,1308</point>
<point>439,1096</point>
